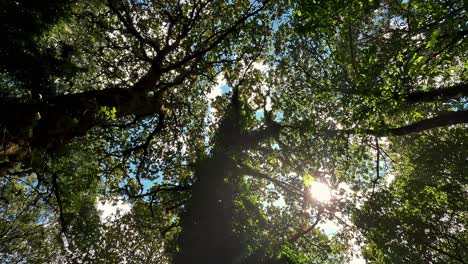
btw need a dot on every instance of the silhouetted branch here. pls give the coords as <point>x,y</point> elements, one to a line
<point>299,234</point>
<point>446,93</point>
<point>244,169</point>
<point>59,203</point>
<point>441,120</point>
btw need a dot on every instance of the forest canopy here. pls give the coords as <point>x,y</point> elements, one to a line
<point>241,131</point>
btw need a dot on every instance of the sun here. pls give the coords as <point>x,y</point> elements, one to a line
<point>320,192</point>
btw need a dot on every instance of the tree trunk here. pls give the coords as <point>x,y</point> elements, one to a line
<point>207,225</point>
<point>49,125</point>
<point>208,234</point>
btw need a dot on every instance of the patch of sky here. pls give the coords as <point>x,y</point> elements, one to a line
<point>219,88</point>
<point>329,228</point>
<point>279,115</point>
<point>276,25</point>
<point>225,89</point>
<point>259,114</point>
<point>146,184</point>
<point>112,209</point>
<point>280,202</point>
<point>398,22</point>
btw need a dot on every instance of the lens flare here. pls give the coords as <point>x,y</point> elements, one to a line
<point>320,192</point>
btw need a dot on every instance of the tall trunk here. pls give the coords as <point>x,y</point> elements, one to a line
<point>207,225</point>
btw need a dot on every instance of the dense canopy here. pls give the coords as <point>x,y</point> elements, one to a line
<point>241,131</point>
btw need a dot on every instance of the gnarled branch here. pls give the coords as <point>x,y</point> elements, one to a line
<point>441,120</point>
<point>446,93</point>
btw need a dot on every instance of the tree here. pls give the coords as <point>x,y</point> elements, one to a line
<point>391,65</point>
<point>118,107</point>
<point>419,217</point>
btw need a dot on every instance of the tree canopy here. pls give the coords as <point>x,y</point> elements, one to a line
<point>241,131</point>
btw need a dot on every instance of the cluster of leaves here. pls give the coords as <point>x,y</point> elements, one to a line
<point>421,216</point>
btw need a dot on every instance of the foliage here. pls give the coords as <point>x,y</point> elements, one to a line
<point>420,217</point>
<point>211,120</point>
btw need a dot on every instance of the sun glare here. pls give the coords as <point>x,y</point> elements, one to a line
<point>320,192</point>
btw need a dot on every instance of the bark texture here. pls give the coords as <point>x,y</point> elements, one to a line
<point>207,226</point>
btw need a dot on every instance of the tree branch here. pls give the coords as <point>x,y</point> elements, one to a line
<point>217,38</point>
<point>377,166</point>
<point>56,191</point>
<point>446,93</point>
<point>442,120</point>
<point>129,26</point>
<point>254,173</point>
<point>299,234</point>
<point>160,188</point>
